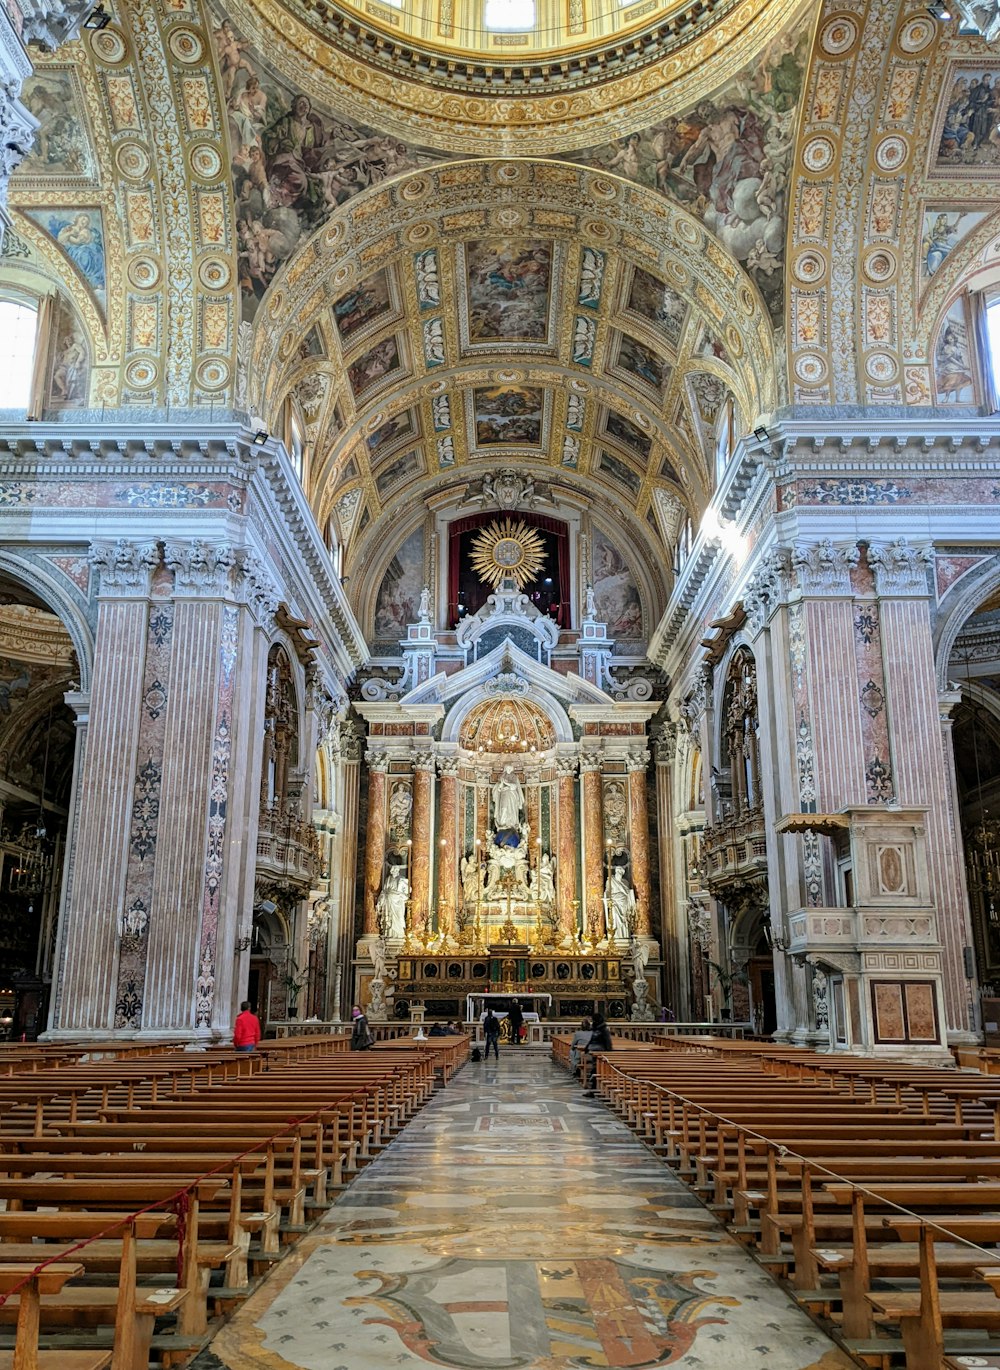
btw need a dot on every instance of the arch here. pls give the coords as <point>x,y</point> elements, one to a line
<point>541,698</point>
<point>63,603</point>
<point>969,593</point>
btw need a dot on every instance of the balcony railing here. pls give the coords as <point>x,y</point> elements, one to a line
<point>287,848</point>
<point>735,849</point>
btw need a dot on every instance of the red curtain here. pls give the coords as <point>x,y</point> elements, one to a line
<point>555,527</point>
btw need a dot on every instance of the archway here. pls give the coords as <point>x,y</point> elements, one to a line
<point>38,665</point>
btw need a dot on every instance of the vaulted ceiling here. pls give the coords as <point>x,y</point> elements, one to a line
<point>447,250</point>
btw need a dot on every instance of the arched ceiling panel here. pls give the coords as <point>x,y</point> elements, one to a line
<point>483,314</point>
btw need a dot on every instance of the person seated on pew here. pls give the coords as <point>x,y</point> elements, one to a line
<point>578,1043</point>
<point>438,1030</point>
<point>246,1029</point>
<point>600,1041</point>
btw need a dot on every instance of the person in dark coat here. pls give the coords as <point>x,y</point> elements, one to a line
<point>361,1037</point>
<point>515,1017</point>
<point>600,1041</point>
<point>491,1031</point>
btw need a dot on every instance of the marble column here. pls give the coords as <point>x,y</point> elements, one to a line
<point>422,830</point>
<point>673,932</point>
<point>343,875</point>
<point>378,765</point>
<point>639,827</point>
<point>568,836</point>
<point>593,843</point>
<point>88,954</point>
<point>449,894</point>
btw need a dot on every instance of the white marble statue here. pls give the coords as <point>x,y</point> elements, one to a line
<point>619,905</point>
<point>503,862</point>
<point>508,800</point>
<point>470,879</point>
<point>391,904</point>
<point>545,880</point>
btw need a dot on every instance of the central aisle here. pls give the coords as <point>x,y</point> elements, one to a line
<point>516,1224</point>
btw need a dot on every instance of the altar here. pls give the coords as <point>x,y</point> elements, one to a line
<point>534,1006</point>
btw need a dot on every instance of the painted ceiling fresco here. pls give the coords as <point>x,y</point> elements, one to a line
<point>594,317</point>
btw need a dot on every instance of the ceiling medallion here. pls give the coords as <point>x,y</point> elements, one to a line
<point>508,550</point>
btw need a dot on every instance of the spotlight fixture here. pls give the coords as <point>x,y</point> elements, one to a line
<point>97,19</point>
<point>265,906</point>
<point>260,437</point>
<point>761,434</point>
<point>938,10</point>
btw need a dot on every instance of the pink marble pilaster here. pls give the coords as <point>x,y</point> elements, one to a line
<point>568,838</point>
<point>375,847</point>
<point>639,826</point>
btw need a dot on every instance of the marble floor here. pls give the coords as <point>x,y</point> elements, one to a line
<point>515,1223</point>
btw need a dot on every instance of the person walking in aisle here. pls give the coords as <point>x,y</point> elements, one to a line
<point>491,1031</point>
<point>515,1016</point>
<point>246,1029</point>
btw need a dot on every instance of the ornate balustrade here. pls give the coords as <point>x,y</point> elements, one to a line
<point>734,850</point>
<point>287,848</point>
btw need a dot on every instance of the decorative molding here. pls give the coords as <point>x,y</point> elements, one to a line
<point>125,568</point>
<point>824,567</point>
<point>201,568</point>
<point>900,567</point>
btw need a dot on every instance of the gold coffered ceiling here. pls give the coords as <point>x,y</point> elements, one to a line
<point>481,315</point>
<point>534,102</point>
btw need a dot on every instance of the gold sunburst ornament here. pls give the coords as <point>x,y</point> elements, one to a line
<point>508,549</point>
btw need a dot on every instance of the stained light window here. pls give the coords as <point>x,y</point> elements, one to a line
<point>18,325</point>
<point>509,15</point>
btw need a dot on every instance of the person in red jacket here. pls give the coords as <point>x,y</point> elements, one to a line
<point>246,1033</point>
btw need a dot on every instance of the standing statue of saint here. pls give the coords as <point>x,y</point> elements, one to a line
<point>545,885</point>
<point>470,880</point>
<point>391,905</point>
<point>508,801</point>
<point>619,904</point>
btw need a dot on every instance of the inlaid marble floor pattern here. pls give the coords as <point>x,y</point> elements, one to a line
<point>516,1225</point>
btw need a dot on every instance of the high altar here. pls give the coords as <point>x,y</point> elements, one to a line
<point>508,842</point>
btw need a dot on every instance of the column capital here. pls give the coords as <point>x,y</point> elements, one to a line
<point>201,568</point>
<point>637,759</point>
<point>824,567</point>
<point>767,588</point>
<point>447,766</point>
<point>125,568</point>
<point>591,755</point>
<point>377,759</point>
<point>900,567</point>
<point>664,740</point>
<point>566,766</point>
<point>423,758</point>
<point>258,590</point>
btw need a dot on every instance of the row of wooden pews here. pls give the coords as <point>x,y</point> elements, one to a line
<point>873,1191</point>
<point>149,1208</point>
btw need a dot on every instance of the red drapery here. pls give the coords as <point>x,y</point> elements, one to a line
<point>555,527</point>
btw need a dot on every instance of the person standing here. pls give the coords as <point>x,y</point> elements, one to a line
<point>361,1037</point>
<point>246,1029</point>
<point>516,1019</point>
<point>491,1031</point>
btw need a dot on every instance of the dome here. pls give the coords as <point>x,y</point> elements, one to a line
<point>507,726</point>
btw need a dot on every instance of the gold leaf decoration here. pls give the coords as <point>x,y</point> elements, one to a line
<point>508,549</point>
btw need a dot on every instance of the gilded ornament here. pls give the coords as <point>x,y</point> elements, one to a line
<point>508,549</point>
